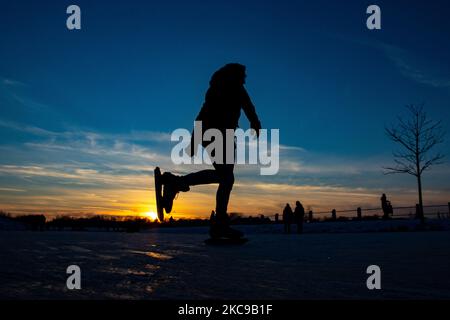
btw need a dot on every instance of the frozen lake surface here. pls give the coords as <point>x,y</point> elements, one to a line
<point>176,264</point>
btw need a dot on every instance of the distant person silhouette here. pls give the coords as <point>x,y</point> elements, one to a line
<point>287,218</point>
<point>386,206</point>
<point>359,213</point>
<point>333,214</point>
<point>225,98</point>
<point>299,215</point>
<point>310,216</point>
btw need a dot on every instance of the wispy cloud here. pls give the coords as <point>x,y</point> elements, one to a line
<point>423,70</point>
<point>26,128</point>
<point>30,103</point>
<point>414,68</point>
<point>89,135</point>
<point>11,82</point>
<point>11,190</point>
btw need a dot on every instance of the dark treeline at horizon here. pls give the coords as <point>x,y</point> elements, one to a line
<point>38,222</point>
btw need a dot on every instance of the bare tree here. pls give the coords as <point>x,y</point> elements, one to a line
<point>417,135</point>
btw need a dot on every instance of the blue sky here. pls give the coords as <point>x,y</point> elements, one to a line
<point>81,110</point>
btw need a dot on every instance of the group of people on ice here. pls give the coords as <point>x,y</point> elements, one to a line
<point>297,216</point>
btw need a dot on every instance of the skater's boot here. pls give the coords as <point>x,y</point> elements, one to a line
<point>220,228</point>
<point>172,185</point>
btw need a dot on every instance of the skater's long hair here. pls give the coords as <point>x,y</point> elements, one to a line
<point>230,75</point>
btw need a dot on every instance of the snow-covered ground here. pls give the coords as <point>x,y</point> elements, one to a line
<point>176,264</point>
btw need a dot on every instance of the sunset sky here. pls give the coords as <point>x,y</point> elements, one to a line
<point>86,115</point>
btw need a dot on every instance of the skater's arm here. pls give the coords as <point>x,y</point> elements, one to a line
<point>250,111</point>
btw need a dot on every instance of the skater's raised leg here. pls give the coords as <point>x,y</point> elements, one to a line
<point>222,174</point>
<point>174,184</point>
<point>201,177</point>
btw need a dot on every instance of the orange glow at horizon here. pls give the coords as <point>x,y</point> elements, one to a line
<point>247,198</point>
<point>151,215</point>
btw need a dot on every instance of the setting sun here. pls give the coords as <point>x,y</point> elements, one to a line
<point>151,215</point>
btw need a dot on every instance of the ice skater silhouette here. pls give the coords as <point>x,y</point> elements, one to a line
<point>225,98</point>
